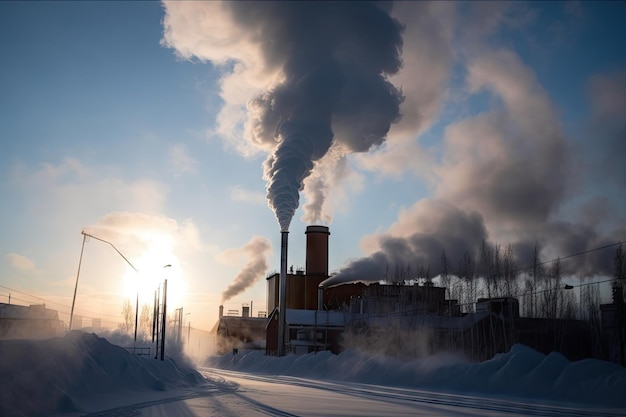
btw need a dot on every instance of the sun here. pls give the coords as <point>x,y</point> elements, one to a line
<point>155,266</point>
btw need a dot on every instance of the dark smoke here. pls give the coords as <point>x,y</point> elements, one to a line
<point>334,58</point>
<point>442,227</point>
<point>257,250</point>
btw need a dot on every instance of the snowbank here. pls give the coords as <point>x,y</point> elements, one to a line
<point>77,372</point>
<point>522,372</point>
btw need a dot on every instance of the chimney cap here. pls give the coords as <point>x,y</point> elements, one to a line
<point>317,229</point>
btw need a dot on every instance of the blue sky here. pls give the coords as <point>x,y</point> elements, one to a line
<point>128,120</point>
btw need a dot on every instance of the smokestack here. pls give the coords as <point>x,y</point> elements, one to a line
<point>221,313</point>
<point>317,250</point>
<point>282,302</point>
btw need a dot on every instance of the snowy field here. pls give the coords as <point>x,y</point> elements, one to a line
<point>83,374</point>
<point>520,373</point>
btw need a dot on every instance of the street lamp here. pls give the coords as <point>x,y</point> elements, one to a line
<point>188,327</point>
<point>85,236</point>
<point>164,316</point>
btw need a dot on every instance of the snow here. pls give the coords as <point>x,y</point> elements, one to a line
<point>84,373</point>
<point>79,372</point>
<point>520,373</point>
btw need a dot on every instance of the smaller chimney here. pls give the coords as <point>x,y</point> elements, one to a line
<point>221,314</point>
<point>320,298</point>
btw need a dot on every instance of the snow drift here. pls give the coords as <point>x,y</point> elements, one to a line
<point>77,372</point>
<point>522,372</point>
<point>83,373</point>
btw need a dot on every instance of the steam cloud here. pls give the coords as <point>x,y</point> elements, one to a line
<point>509,173</point>
<point>516,167</point>
<point>257,250</point>
<point>333,58</point>
<point>434,226</point>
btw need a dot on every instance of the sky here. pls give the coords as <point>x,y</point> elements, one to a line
<point>191,133</point>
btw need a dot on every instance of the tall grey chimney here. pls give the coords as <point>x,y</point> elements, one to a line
<point>282,301</point>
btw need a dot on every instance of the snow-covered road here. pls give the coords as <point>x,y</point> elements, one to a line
<point>231,393</point>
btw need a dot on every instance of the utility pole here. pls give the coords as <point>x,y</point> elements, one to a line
<point>80,260</point>
<point>136,314</point>
<point>164,318</point>
<point>157,322</point>
<point>154,315</point>
<point>180,326</point>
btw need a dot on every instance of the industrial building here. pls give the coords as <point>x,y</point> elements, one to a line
<point>241,332</point>
<point>302,287</point>
<point>28,322</point>
<point>402,319</point>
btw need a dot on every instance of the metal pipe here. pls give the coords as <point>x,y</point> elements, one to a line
<point>282,302</point>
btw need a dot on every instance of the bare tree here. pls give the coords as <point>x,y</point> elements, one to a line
<point>145,319</point>
<point>532,284</point>
<point>485,268</point>
<point>496,274</point>
<point>619,284</point>
<point>590,295</point>
<point>445,276</point>
<point>620,265</point>
<point>128,316</point>
<point>509,272</point>
<point>467,274</point>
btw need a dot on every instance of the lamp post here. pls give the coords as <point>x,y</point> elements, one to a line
<point>188,327</point>
<point>164,316</point>
<point>85,236</point>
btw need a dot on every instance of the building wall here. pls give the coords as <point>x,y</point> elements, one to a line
<point>301,291</point>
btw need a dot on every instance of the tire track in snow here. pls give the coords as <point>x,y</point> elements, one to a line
<point>404,395</point>
<point>217,386</point>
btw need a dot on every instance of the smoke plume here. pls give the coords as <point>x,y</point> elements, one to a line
<point>257,251</point>
<point>478,125</point>
<point>415,244</point>
<point>333,59</point>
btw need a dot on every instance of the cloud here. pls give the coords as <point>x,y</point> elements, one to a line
<point>72,188</point>
<point>21,263</point>
<point>140,231</point>
<point>240,194</point>
<point>205,30</point>
<point>181,161</point>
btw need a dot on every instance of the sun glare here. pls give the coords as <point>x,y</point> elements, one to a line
<point>153,268</point>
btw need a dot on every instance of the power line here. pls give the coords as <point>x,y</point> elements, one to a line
<point>33,296</point>
<point>97,315</point>
<point>572,255</point>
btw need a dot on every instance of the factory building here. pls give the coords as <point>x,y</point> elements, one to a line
<point>35,321</point>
